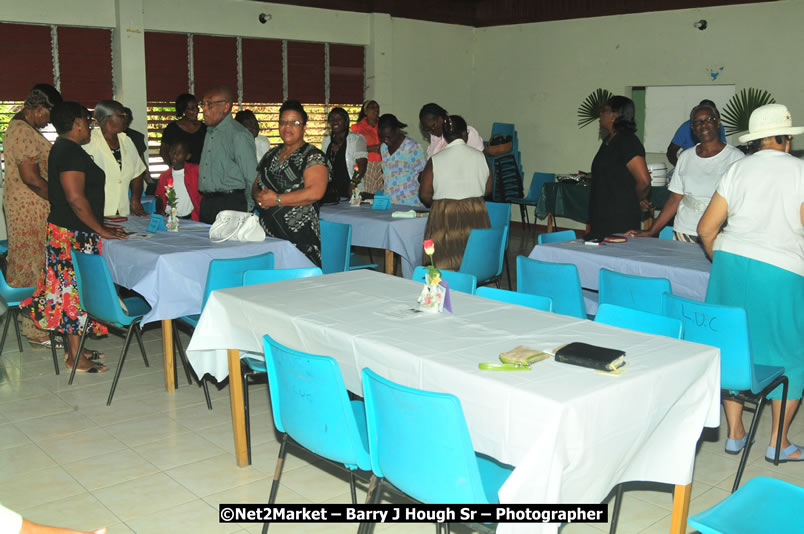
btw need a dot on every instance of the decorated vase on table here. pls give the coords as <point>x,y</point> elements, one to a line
<point>433,295</point>
<point>172,223</point>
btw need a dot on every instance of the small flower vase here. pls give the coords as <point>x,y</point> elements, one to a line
<point>355,199</point>
<point>172,223</point>
<point>431,298</point>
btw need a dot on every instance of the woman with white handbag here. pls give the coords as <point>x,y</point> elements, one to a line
<point>291,178</point>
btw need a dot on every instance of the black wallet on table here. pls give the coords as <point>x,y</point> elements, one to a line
<point>591,356</point>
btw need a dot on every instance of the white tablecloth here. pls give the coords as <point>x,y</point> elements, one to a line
<point>684,264</point>
<point>377,229</point>
<point>572,433</point>
<point>169,269</point>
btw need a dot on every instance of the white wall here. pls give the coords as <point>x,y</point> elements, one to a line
<point>537,75</point>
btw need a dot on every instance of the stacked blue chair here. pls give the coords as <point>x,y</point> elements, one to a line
<point>534,192</point>
<point>420,445</point>
<point>222,274</point>
<point>251,366</point>
<point>637,292</point>
<point>764,504</point>
<point>666,233</point>
<point>726,328</point>
<point>484,254</point>
<point>467,283</point>
<point>557,237</point>
<point>522,299</point>
<point>311,408</point>
<point>500,217</point>
<point>98,297</point>
<point>558,281</point>
<point>336,248</point>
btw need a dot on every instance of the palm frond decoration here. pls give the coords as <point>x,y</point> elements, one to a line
<point>590,109</point>
<point>738,110</point>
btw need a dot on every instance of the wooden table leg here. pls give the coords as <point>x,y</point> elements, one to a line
<point>389,262</point>
<point>238,410</point>
<point>549,222</point>
<point>167,354</point>
<point>681,507</point>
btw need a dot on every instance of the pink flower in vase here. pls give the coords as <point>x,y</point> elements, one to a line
<point>429,247</point>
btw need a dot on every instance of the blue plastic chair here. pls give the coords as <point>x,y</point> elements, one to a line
<point>267,276</point>
<point>557,237</point>
<point>311,408</point>
<point>637,292</point>
<point>13,296</point>
<point>484,254</point>
<point>466,283</point>
<point>420,444</point>
<point>500,217</point>
<point>336,248</point>
<point>726,328</point>
<point>98,297</point>
<point>764,504</point>
<point>522,299</point>
<point>641,321</point>
<point>666,233</point>
<point>534,191</point>
<point>558,281</point>
<point>223,273</point>
<point>251,366</point>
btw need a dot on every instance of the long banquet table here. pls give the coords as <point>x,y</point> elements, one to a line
<point>572,433</point>
<point>684,264</point>
<point>169,269</point>
<point>378,229</point>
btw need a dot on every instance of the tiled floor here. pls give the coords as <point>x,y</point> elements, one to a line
<point>154,462</point>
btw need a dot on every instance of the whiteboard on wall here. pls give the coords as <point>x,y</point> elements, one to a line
<point>668,106</point>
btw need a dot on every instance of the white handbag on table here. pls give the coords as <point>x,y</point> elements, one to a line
<point>233,225</point>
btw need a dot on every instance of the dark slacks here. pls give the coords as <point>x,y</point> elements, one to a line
<point>212,204</point>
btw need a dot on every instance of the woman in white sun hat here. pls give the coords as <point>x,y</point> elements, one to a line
<point>758,261</point>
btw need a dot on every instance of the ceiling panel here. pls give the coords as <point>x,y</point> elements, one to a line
<point>481,13</point>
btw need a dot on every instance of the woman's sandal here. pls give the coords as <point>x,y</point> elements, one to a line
<point>46,343</point>
<point>94,356</point>
<point>95,368</point>
<point>784,454</point>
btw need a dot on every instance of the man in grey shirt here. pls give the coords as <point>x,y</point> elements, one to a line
<point>228,163</point>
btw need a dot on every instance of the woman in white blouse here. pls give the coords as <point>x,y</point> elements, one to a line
<point>344,150</point>
<point>115,153</point>
<point>453,184</point>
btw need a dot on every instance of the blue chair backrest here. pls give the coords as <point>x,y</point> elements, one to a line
<point>466,283</point>
<point>419,442</point>
<point>228,272</point>
<point>499,214</point>
<point>336,246</point>
<point>503,128</point>
<point>96,291</point>
<point>267,276</point>
<point>637,292</point>
<point>557,237</point>
<point>666,233</point>
<point>724,327</point>
<point>484,253</point>
<point>14,295</point>
<point>309,402</point>
<point>638,320</point>
<point>558,281</point>
<point>537,183</point>
<point>522,299</point>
